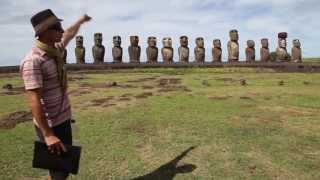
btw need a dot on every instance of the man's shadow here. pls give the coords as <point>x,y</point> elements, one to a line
<point>169,170</point>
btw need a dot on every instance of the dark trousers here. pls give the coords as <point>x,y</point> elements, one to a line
<point>64,133</point>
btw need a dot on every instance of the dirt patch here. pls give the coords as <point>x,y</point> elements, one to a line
<point>79,92</point>
<point>126,95</point>
<point>147,87</point>
<point>144,95</point>
<point>225,79</point>
<point>142,80</point>
<point>124,99</point>
<point>77,77</point>
<point>105,102</point>
<point>13,119</point>
<point>246,97</point>
<point>220,97</point>
<point>171,81</point>
<point>107,85</point>
<point>174,88</point>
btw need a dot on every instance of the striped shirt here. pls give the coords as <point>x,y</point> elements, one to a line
<point>40,71</point>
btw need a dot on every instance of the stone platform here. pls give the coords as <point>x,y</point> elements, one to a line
<point>277,66</point>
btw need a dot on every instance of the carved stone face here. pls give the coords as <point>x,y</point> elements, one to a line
<point>152,41</point>
<point>98,39</point>
<point>79,41</point>
<point>184,41</point>
<point>200,42</point>
<point>282,43</point>
<point>117,41</point>
<point>265,43</point>
<point>167,42</point>
<point>250,43</point>
<point>134,40</point>
<point>296,43</point>
<point>217,43</point>
<point>234,36</point>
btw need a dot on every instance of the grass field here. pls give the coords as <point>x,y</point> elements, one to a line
<point>178,124</point>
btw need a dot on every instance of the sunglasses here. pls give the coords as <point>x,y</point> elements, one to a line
<point>56,27</point>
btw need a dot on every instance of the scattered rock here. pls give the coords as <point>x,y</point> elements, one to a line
<point>243,82</point>
<point>281,83</point>
<point>7,86</point>
<point>205,83</point>
<point>245,97</point>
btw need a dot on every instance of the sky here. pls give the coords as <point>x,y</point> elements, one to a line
<point>210,19</point>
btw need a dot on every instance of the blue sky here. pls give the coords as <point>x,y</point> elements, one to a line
<point>254,19</point>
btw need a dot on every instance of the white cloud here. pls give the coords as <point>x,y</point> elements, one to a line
<point>255,19</point>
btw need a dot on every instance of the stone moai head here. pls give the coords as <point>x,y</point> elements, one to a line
<point>234,36</point>
<point>134,40</point>
<point>250,44</point>
<point>184,41</point>
<point>167,42</point>
<point>200,42</point>
<point>296,43</point>
<point>117,41</point>
<point>98,39</point>
<point>217,43</point>
<point>265,43</point>
<point>79,41</point>
<point>282,39</point>
<point>152,41</point>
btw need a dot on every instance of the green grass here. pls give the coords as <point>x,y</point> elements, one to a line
<point>259,131</point>
<point>311,60</point>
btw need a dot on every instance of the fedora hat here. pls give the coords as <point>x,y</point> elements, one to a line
<point>43,20</point>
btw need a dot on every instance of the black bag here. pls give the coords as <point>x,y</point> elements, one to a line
<point>65,162</point>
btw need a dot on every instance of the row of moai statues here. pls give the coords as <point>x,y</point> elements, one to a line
<point>167,52</point>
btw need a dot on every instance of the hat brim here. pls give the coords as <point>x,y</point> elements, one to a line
<point>45,25</point>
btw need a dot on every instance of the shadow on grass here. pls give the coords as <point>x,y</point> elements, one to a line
<point>169,170</point>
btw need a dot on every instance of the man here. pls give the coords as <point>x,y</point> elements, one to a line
<point>45,81</point>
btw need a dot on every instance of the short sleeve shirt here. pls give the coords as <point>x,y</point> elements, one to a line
<point>40,71</point>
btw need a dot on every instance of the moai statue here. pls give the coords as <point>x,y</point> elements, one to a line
<point>233,46</point>
<point>217,51</point>
<point>183,50</point>
<point>134,50</point>
<point>64,56</point>
<point>98,49</point>
<point>199,50</point>
<point>167,50</point>
<point>264,51</point>
<point>152,50</point>
<point>282,54</point>
<point>296,54</point>
<point>117,49</point>
<point>250,51</point>
<point>80,51</point>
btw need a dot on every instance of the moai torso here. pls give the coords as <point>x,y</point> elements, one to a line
<point>134,50</point>
<point>217,51</point>
<point>117,49</point>
<point>183,50</point>
<point>250,51</point>
<point>199,50</point>
<point>64,56</point>
<point>167,50</point>
<point>98,49</point>
<point>282,54</point>
<point>80,51</point>
<point>296,54</point>
<point>264,51</point>
<point>233,46</point>
<point>152,50</point>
